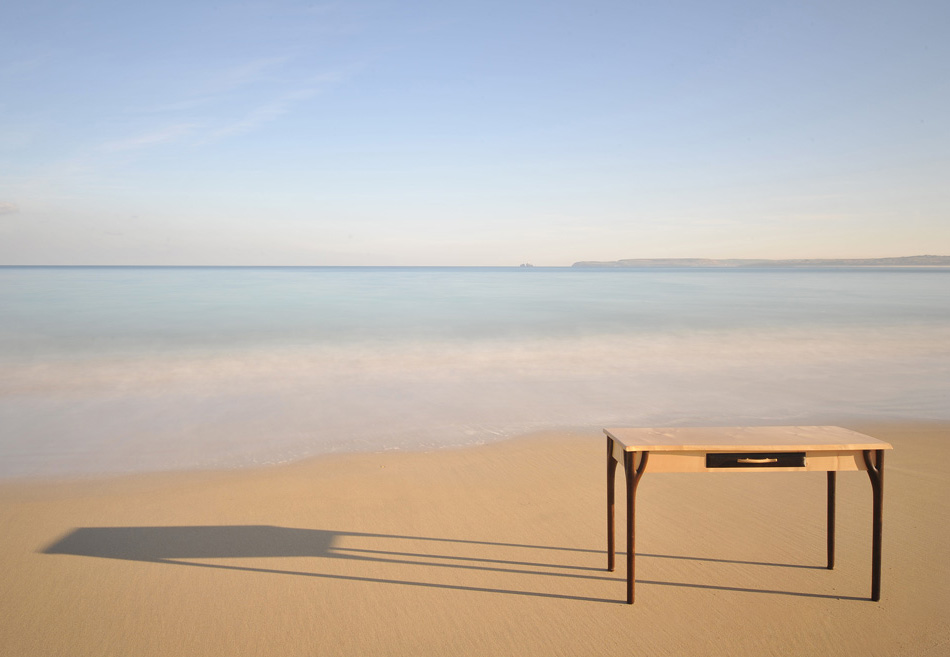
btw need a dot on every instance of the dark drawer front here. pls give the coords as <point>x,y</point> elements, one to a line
<point>761,460</point>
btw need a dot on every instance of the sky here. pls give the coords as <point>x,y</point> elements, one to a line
<point>471,133</point>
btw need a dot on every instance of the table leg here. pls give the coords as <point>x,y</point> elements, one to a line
<point>611,480</point>
<point>832,480</point>
<point>633,478</point>
<point>876,473</point>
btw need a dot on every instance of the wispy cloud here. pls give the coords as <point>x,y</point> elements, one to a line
<point>178,105</point>
<point>201,113</point>
<point>152,138</point>
<point>276,108</point>
<point>198,120</point>
<point>263,114</point>
<point>250,72</point>
<point>220,85</point>
<point>7,207</point>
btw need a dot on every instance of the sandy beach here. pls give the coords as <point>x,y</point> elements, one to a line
<point>487,550</point>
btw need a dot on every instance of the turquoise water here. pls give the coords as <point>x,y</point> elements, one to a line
<point>125,368</point>
<point>99,310</point>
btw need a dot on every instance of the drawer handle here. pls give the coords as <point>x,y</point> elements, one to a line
<point>766,460</point>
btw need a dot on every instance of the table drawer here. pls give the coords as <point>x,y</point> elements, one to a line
<point>755,460</point>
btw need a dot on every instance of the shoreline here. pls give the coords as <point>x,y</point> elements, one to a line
<point>493,549</point>
<point>316,460</point>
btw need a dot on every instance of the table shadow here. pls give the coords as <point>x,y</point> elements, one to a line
<point>182,545</point>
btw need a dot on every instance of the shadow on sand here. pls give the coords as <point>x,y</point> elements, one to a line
<point>182,545</point>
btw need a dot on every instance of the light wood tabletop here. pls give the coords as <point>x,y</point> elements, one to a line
<point>758,439</point>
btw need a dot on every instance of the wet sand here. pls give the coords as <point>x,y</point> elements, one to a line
<point>480,551</point>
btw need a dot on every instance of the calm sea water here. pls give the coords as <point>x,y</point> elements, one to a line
<point>126,369</point>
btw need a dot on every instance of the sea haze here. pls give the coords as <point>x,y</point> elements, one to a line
<point>120,369</point>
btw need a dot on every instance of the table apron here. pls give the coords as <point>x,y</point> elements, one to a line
<point>685,461</point>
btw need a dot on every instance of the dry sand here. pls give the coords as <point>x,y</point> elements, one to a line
<point>486,551</point>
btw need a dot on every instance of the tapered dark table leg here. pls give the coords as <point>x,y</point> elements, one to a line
<point>611,482</point>
<point>632,478</point>
<point>875,468</point>
<point>832,479</point>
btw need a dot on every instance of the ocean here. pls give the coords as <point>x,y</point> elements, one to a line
<point>128,369</point>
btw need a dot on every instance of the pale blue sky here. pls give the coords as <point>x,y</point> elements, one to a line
<point>471,133</point>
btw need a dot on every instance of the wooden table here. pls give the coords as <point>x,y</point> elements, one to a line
<point>744,449</point>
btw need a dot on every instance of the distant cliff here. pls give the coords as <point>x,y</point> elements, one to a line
<point>906,261</point>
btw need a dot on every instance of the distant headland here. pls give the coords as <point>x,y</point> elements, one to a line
<point>906,261</point>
